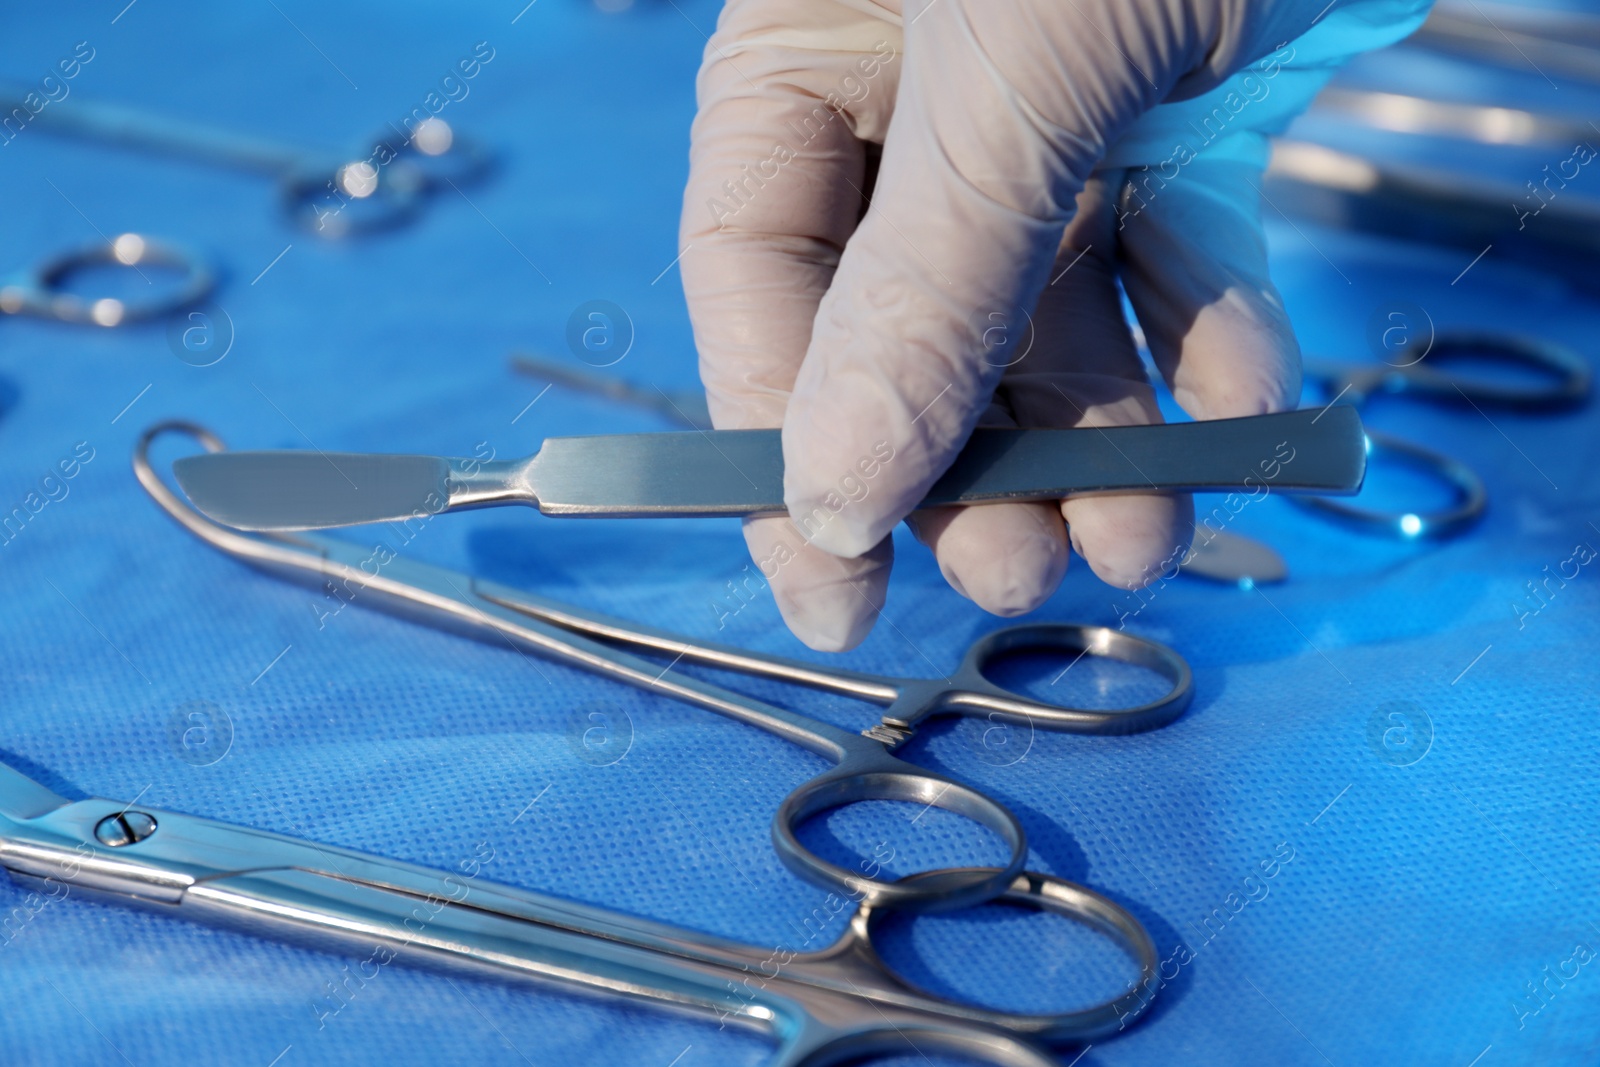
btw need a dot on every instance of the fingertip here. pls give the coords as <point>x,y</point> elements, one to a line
<point>1006,558</point>
<point>829,603</point>
<point>1242,359</point>
<point>1195,269</point>
<point>848,478</point>
<point>832,618</point>
<point>846,538</point>
<point>1131,539</point>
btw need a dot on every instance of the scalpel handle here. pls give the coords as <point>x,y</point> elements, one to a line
<point>740,472</point>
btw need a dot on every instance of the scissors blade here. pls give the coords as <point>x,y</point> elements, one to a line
<point>23,798</point>
<point>740,472</point>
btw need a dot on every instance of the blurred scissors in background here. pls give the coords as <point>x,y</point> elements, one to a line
<point>1515,36</point>
<point>1470,210</point>
<point>1364,189</point>
<point>1559,379</point>
<point>42,292</point>
<point>331,194</point>
<point>822,1007</point>
<point>864,768</point>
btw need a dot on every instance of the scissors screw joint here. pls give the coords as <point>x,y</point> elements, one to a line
<point>124,828</point>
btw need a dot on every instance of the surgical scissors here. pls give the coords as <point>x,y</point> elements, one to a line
<point>822,1006</point>
<point>1480,123</point>
<point>1561,380</point>
<point>864,767</point>
<point>331,194</point>
<point>40,292</point>
<point>1516,37</point>
<point>1368,190</point>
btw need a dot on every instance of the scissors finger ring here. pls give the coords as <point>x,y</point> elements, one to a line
<point>41,292</point>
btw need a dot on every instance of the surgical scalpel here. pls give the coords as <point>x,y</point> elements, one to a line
<point>740,472</point>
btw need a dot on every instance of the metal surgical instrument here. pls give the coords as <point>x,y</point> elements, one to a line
<point>41,292</point>
<point>1483,123</point>
<point>686,407</point>
<point>1562,381</point>
<point>1516,37</point>
<point>1221,557</point>
<point>740,472</point>
<point>864,766</point>
<point>382,185</point>
<point>1364,191</point>
<point>822,1006</point>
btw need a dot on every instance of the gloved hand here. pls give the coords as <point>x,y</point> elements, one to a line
<point>981,286</point>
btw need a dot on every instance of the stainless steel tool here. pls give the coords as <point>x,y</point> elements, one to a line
<point>382,184</point>
<point>1422,370</point>
<point>740,472</point>
<point>821,1007</point>
<point>1520,37</point>
<point>862,765</point>
<point>1219,556</point>
<point>686,407</point>
<point>42,293</point>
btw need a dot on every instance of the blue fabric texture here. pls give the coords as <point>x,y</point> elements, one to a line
<point>1347,886</point>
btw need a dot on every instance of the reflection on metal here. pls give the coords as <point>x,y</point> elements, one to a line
<point>1549,42</point>
<point>1560,378</point>
<point>1468,500</point>
<point>740,472</point>
<point>1402,113</point>
<point>864,767</point>
<point>1220,556</point>
<point>384,184</point>
<point>42,291</point>
<point>1347,191</point>
<point>820,1007</point>
<point>685,407</point>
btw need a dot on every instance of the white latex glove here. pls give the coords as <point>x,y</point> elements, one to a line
<point>1008,131</point>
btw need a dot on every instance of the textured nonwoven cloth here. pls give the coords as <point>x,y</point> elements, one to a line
<point>1372,837</point>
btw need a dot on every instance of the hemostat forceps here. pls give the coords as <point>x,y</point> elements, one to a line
<point>865,768</point>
